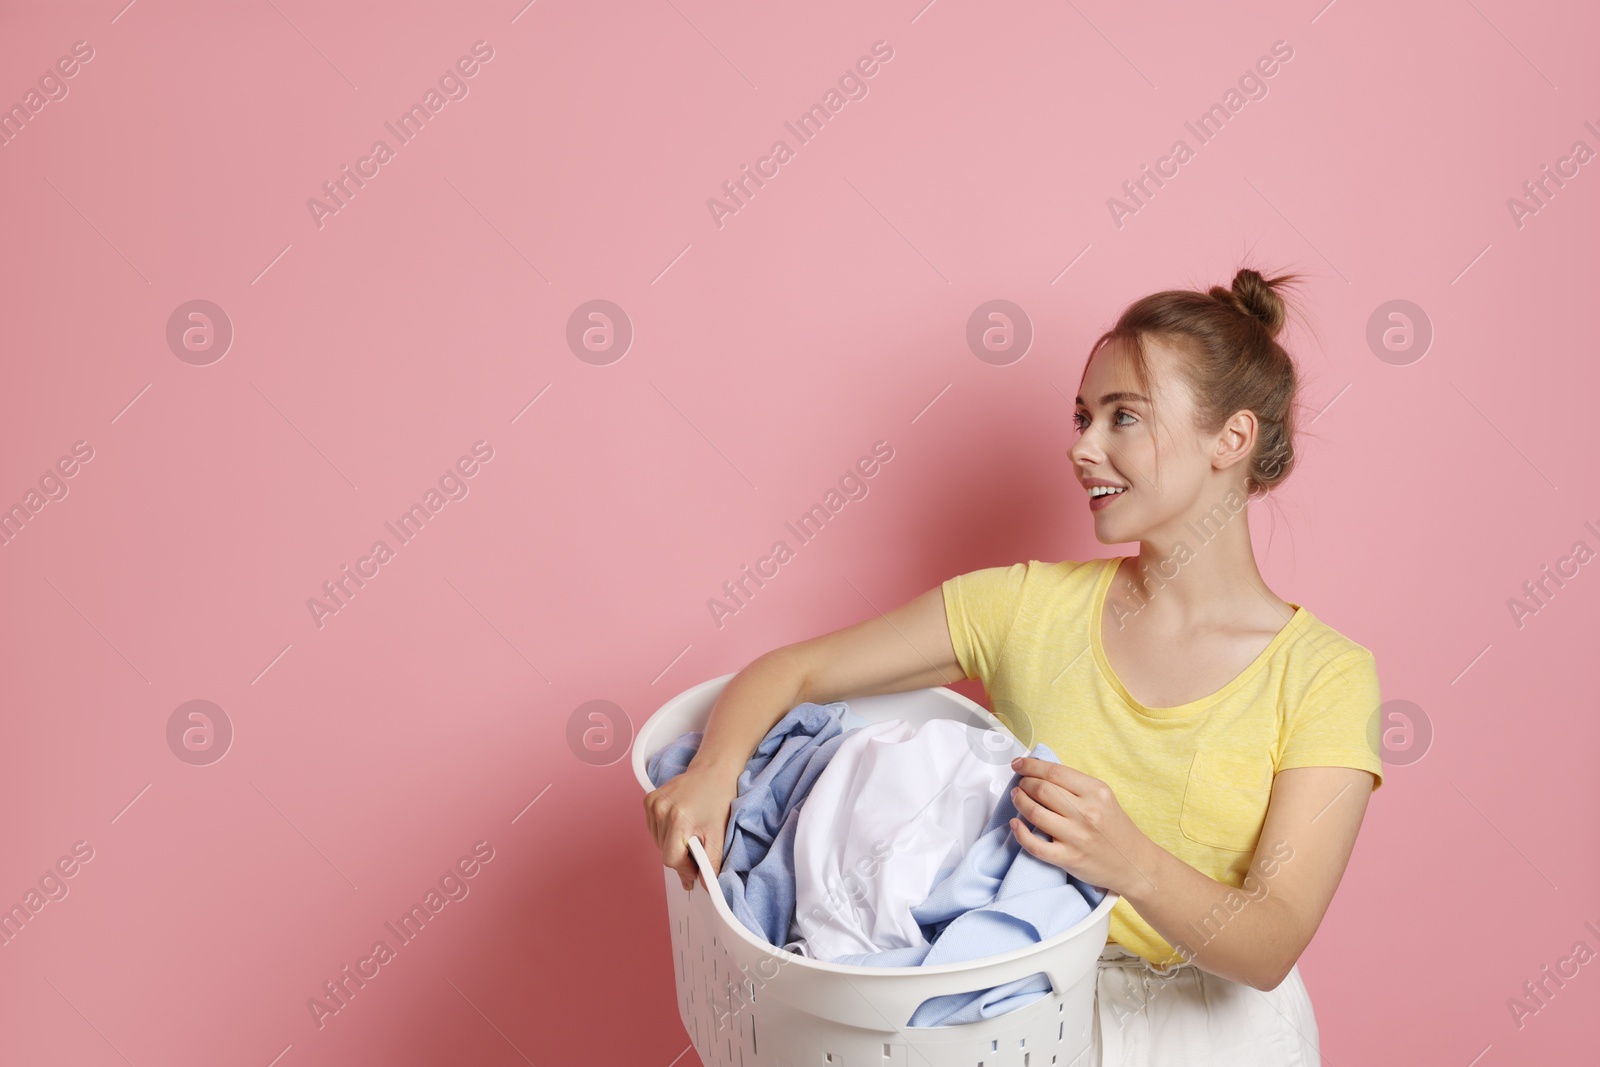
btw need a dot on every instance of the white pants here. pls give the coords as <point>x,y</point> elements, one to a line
<point>1144,1018</point>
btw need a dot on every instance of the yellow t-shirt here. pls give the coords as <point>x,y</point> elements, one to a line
<point>1195,778</point>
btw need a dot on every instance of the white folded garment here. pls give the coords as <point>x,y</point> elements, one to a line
<point>896,808</point>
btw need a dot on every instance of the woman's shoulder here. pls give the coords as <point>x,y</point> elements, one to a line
<point>1318,651</point>
<point>1063,568</point>
<point>1034,573</point>
<point>1072,571</point>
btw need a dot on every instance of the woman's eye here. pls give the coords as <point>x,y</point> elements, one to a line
<point>1080,421</point>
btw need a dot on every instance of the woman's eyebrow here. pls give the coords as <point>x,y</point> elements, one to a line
<point>1110,398</point>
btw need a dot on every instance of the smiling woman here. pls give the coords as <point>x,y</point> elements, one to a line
<point>1217,742</point>
<point>1203,731</point>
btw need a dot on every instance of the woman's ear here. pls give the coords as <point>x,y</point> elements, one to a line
<point>1236,441</point>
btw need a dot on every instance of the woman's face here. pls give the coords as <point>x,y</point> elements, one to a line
<point>1120,440</point>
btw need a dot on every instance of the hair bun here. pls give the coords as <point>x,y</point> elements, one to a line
<point>1255,296</point>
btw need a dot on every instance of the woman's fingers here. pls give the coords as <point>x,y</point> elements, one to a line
<point>1038,814</point>
<point>685,871</point>
<point>1069,780</point>
<point>1030,841</point>
<point>689,805</point>
<point>714,852</point>
<point>674,851</point>
<point>650,818</point>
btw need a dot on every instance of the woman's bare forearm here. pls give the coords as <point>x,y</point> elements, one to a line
<point>747,708</point>
<point>1210,919</point>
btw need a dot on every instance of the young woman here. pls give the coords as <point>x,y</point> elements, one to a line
<point>1218,743</point>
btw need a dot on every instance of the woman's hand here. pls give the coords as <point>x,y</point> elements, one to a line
<point>1094,839</point>
<point>694,804</point>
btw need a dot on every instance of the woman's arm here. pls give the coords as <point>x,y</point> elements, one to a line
<point>1254,934</point>
<point>907,648</point>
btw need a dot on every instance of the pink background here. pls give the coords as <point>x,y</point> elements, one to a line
<point>769,354</point>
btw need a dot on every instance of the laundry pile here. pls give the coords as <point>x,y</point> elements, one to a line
<point>884,844</point>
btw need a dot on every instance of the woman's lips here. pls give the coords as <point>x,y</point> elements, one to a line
<point>1097,503</point>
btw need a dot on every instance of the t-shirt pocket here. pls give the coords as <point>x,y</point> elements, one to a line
<point>1225,799</point>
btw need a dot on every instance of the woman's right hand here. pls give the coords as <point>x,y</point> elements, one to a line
<point>694,804</point>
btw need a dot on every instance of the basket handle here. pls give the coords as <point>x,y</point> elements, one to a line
<point>702,860</point>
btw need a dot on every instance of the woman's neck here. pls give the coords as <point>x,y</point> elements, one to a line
<point>1204,574</point>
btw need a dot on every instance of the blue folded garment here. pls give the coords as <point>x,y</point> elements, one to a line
<point>757,872</point>
<point>998,898</point>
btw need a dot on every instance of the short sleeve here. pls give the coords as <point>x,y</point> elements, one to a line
<point>1336,723</point>
<point>980,607</point>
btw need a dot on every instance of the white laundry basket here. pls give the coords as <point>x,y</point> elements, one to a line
<point>746,1003</point>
